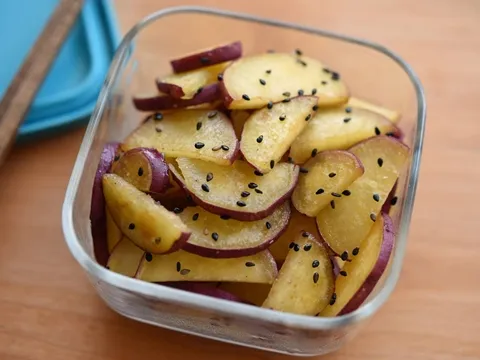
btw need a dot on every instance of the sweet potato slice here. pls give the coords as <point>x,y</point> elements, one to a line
<point>253,81</point>
<point>297,224</point>
<point>392,115</point>
<point>238,191</point>
<point>364,271</point>
<point>339,129</point>
<point>187,84</point>
<point>349,220</point>
<point>306,281</point>
<point>203,58</point>
<point>221,237</point>
<point>125,258</point>
<point>114,234</point>
<point>144,168</point>
<point>251,293</point>
<point>184,266</point>
<point>198,134</point>
<point>269,132</point>
<point>149,225</point>
<point>329,173</point>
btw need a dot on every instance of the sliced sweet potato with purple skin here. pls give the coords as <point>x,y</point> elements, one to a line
<point>306,281</point>
<point>253,81</point>
<point>186,85</point>
<point>364,271</point>
<point>251,293</point>
<point>392,199</point>
<point>125,258</point>
<point>392,115</point>
<point>298,223</point>
<point>269,132</point>
<point>239,117</point>
<point>207,57</point>
<point>207,290</point>
<point>238,191</point>
<point>184,266</point>
<point>348,221</point>
<point>159,102</point>
<point>97,209</point>
<point>329,173</point>
<point>221,237</point>
<point>114,234</point>
<point>199,134</point>
<point>144,168</point>
<point>339,129</point>
<point>146,223</point>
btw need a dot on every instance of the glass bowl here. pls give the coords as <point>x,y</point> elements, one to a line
<point>371,71</point>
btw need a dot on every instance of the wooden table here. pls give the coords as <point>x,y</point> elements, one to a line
<point>49,311</point>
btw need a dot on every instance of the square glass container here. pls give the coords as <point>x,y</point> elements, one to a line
<point>370,71</point>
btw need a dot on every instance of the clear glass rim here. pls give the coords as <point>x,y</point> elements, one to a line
<point>212,304</point>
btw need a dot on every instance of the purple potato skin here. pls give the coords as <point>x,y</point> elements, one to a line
<point>207,58</point>
<point>386,249</point>
<point>209,94</point>
<point>173,90</point>
<point>204,289</point>
<point>388,203</point>
<point>97,209</point>
<point>237,215</point>
<point>234,253</point>
<point>160,179</point>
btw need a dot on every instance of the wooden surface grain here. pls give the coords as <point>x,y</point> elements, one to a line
<point>49,311</point>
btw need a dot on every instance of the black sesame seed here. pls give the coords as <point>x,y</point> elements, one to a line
<point>199,125</point>
<point>348,110</point>
<point>319,191</point>
<point>252,185</point>
<point>131,226</point>
<point>116,158</point>
<point>272,164</point>
<point>305,234</point>
<point>327,71</point>
<point>263,82</point>
<point>199,145</point>
<point>300,61</point>
<point>332,204</point>
<point>344,256</point>
<point>336,194</point>
<point>332,174</point>
<point>148,257</point>
<point>335,76</point>
<point>315,263</point>
<point>158,240</point>
<point>355,251</point>
<point>158,129</point>
<point>246,97</point>
<point>195,216</point>
<point>390,133</point>
<point>343,273</point>
<point>377,131</point>
<point>245,194</point>
<point>260,139</point>
<point>298,52</point>
<point>307,247</point>
<point>291,246</point>
<point>303,170</point>
<point>346,192</point>
<point>394,200</point>
<point>212,114</point>
<point>286,93</point>
<point>286,100</point>
<point>199,90</point>
<point>268,225</point>
<point>184,271</point>
<point>290,160</point>
<point>258,173</point>
<point>282,117</point>
<point>241,203</point>
<point>333,299</point>
<point>249,264</point>
<point>315,107</point>
<point>314,91</point>
<point>309,116</point>
<point>380,162</point>
<point>204,60</point>
<point>324,82</point>
<point>140,171</point>
<point>209,177</point>
<point>315,277</point>
<point>179,266</point>
<point>177,210</point>
<point>205,188</point>
<point>346,120</point>
<point>158,116</point>
<point>373,217</point>
<point>216,148</point>
<point>376,197</point>
<point>225,217</point>
<point>269,105</point>
<point>300,92</point>
<point>220,77</point>
<point>296,248</point>
<point>258,191</point>
<point>268,71</point>
<point>225,147</point>
<point>215,236</point>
